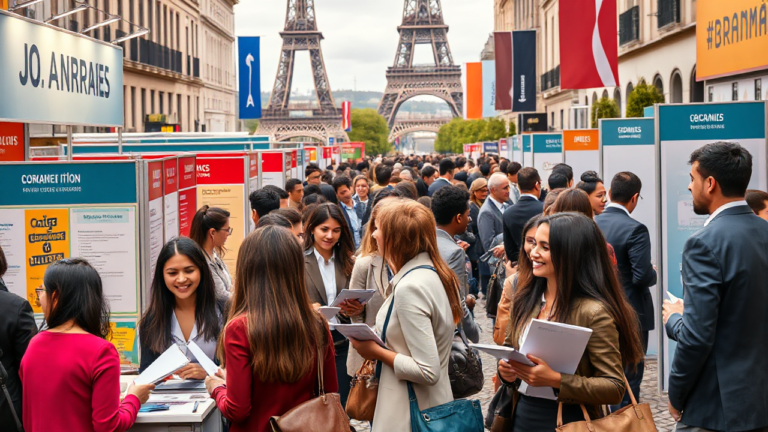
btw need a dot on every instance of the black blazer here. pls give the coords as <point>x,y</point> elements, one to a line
<point>17,327</point>
<point>437,185</point>
<point>632,244</point>
<point>314,279</point>
<point>719,378</point>
<point>515,219</point>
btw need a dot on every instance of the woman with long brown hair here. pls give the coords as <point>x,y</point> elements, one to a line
<point>569,278</point>
<point>576,200</point>
<point>273,337</point>
<point>424,309</point>
<point>328,262</point>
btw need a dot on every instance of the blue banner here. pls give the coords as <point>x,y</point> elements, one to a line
<point>249,77</point>
<point>631,131</point>
<point>548,143</point>
<point>68,183</point>
<point>526,143</point>
<point>648,111</point>
<point>491,147</point>
<point>524,76</point>
<point>489,89</point>
<point>726,121</point>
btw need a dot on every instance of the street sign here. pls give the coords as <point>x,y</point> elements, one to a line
<point>249,76</point>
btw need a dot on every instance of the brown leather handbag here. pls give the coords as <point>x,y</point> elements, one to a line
<point>361,402</point>
<point>631,418</point>
<point>321,414</point>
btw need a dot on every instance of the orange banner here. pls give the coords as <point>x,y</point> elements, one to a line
<point>4,4</point>
<point>474,91</point>
<point>47,241</point>
<point>731,37</point>
<point>583,139</point>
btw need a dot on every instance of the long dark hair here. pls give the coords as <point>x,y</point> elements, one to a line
<point>74,291</point>
<point>155,325</point>
<point>270,292</point>
<point>205,219</point>
<point>573,200</point>
<point>345,248</point>
<point>583,270</point>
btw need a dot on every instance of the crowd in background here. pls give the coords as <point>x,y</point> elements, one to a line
<point>442,233</point>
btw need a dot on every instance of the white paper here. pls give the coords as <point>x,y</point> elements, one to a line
<point>360,295</point>
<point>502,352</point>
<point>168,363</point>
<point>13,244</point>
<point>673,298</point>
<point>156,242</point>
<point>329,311</point>
<point>171,216</point>
<point>359,332</point>
<point>207,364</point>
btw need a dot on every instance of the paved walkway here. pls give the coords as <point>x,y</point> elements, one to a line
<point>648,391</point>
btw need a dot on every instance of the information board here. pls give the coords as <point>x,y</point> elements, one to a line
<point>581,150</point>
<point>546,152</point>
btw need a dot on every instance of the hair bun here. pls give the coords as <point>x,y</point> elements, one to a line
<point>591,177</point>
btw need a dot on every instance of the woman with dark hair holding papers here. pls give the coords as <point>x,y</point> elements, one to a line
<point>70,372</point>
<point>183,307</point>
<point>569,278</point>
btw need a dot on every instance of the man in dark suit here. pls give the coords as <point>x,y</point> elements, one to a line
<point>490,225</point>
<point>353,212</point>
<point>17,327</point>
<point>484,171</point>
<point>447,167</point>
<point>527,206</point>
<point>632,244</point>
<point>718,379</point>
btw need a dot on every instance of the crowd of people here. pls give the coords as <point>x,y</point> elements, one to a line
<point>432,237</point>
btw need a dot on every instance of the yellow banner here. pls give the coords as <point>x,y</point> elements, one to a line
<point>47,241</point>
<point>232,199</point>
<point>731,37</point>
<point>4,4</point>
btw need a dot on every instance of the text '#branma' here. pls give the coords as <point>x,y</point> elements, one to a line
<point>65,73</point>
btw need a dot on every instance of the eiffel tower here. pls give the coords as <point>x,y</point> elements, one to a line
<point>283,120</point>
<point>422,24</point>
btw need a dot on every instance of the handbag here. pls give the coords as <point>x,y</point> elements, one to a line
<point>321,414</point>
<point>631,418</point>
<point>499,417</point>
<point>494,290</point>
<point>464,367</point>
<point>460,416</point>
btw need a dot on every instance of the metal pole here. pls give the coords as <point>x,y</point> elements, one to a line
<point>119,140</point>
<point>70,150</point>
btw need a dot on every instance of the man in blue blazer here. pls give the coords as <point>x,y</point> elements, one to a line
<point>353,212</point>
<point>632,244</point>
<point>719,378</point>
<point>518,215</point>
<point>447,168</point>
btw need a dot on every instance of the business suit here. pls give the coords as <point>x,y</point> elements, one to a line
<point>420,331</point>
<point>490,225</point>
<point>454,255</point>
<point>317,294</point>
<point>515,219</point>
<point>359,210</point>
<point>17,327</point>
<point>718,377</point>
<point>438,184</point>
<point>370,272</point>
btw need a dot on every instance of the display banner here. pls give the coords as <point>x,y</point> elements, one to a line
<point>346,116</point>
<point>155,222</point>
<point>489,89</point>
<point>629,145</point>
<point>546,152</point>
<point>53,76</point>
<point>581,150</point>
<point>503,149</point>
<point>53,211</point>
<point>490,148</point>
<point>532,122</point>
<point>249,77</point>
<point>12,148</point>
<point>680,130</point>
<point>171,198</point>
<point>514,151</point>
<point>253,171</point>
<point>516,70</point>
<point>527,159</point>
<point>123,337</point>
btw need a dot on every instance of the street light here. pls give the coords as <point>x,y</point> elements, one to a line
<point>24,5</point>
<point>80,8</point>
<point>109,21</point>
<point>135,34</point>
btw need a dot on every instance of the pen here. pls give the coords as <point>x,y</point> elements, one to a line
<point>194,410</point>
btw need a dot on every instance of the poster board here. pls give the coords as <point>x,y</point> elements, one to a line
<point>490,148</point>
<point>581,150</point>
<point>187,193</point>
<point>171,198</point>
<point>629,145</point>
<point>526,159</point>
<point>546,152</point>
<point>294,165</point>
<point>681,129</point>
<point>275,167</point>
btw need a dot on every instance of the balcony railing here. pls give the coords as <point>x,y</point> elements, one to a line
<point>150,53</point>
<point>669,12</point>
<point>550,79</point>
<point>629,26</point>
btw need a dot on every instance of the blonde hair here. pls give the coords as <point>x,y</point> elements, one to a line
<point>408,229</point>
<point>478,184</point>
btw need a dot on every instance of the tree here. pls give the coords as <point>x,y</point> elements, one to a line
<point>644,95</point>
<point>251,125</point>
<point>604,108</point>
<point>371,128</point>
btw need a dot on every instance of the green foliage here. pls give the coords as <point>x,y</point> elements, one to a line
<point>457,132</point>
<point>604,108</point>
<point>371,128</point>
<point>642,96</point>
<point>251,125</point>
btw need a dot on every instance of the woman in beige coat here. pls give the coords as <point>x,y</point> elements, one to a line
<point>425,313</point>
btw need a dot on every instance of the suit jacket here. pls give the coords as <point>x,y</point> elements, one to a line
<point>369,272</point>
<point>360,212</point>
<point>421,333</point>
<point>476,248</point>
<point>455,257</point>
<point>17,327</point>
<point>632,246</point>
<point>490,225</point>
<point>718,376</point>
<point>515,219</point>
<point>437,185</point>
<point>314,279</point>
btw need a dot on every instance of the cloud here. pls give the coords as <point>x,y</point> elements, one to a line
<point>360,37</point>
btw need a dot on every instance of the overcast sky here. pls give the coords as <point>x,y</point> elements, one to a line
<point>360,38</point>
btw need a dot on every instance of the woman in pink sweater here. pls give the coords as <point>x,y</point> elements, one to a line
<point>70,373</point>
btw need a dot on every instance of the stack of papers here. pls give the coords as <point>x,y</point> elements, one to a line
<point>167,364</point>
<point>182,386</point>
<point>361,332</point>
<point>360,295</point>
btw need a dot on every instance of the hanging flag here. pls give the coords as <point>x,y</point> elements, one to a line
<point>516,70</point>
<point>588,44</point>
<point>479,81</point>
<point>346,116</point>
<point>249,77</point>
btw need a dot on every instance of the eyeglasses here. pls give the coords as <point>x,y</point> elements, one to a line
<point>229,230</point>
<point>39,291</point>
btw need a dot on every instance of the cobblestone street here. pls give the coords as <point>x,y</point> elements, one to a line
<point>664,422</point>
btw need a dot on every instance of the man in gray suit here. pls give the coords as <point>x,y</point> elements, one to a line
<point>490,224</point>
<point>719,378</point>
<point>450,205</point>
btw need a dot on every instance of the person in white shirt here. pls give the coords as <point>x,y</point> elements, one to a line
<point>210,230</point>
<point>353,212</point>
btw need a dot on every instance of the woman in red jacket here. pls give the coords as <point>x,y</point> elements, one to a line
<point>70,373</point>
<point>273,336</point>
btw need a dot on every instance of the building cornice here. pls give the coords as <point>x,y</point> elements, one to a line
<point>216,26</point>
<point>155,72</point>
<point>219,88</point>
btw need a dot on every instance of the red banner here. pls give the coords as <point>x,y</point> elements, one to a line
<point>588,58</point>
<point>11,142</point>
<point>346,116</point>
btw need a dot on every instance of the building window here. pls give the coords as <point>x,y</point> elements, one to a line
<point>759,89</point>
<point>160,97</point>
<point>552,122</point>
<point>152,101</point>
<point>735,91</point>
<point>143,105</point>
<point>710,94</point>
<point>562,119</point>
<point>133,107</point>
